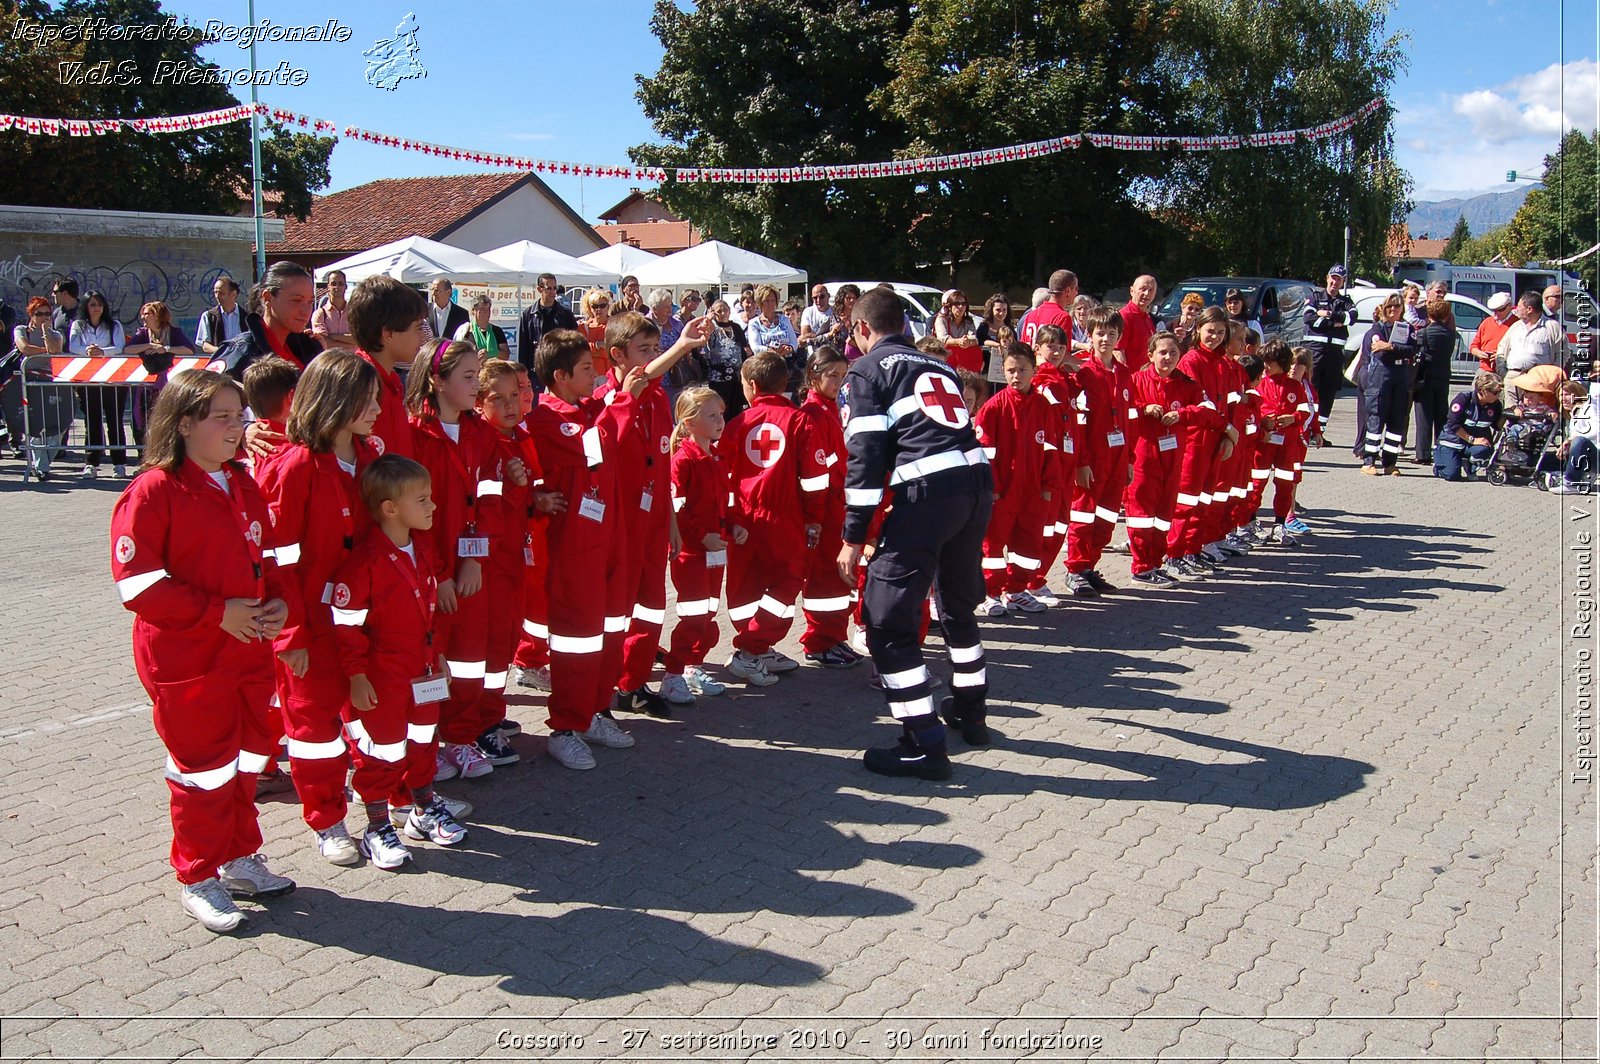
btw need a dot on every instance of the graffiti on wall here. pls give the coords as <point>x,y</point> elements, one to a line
<point>181,280</point>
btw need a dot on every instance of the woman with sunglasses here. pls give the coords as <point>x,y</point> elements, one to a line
<point>596,308</point>
<point>954,328</point>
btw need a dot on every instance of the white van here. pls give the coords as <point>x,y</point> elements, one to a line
<point>922,302</point>
<point>1578,309</point>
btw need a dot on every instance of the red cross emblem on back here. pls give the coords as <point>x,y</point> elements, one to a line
<point>941,400</point>
<point>765,445</point>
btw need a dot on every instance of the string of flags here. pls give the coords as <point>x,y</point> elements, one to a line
<point>53,127</point>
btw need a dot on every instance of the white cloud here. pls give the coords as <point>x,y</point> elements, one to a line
<point>1545,103</point>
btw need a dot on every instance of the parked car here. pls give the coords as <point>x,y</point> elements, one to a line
<point>1469,315</point>
<point>1277,303</point>
<point>922,302</point>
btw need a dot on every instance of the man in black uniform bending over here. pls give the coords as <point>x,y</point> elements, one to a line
<point>910,434</point>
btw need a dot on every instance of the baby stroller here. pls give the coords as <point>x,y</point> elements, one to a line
<point>1519,455</point>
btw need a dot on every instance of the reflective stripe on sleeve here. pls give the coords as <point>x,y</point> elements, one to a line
<point>131,587</point>
<point>866,423</point>
<point>816,483</point>
<point>863,496</point>
<point>349,618</point>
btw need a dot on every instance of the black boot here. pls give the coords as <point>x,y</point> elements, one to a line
<point>969,720</point>
<point>920,752</point>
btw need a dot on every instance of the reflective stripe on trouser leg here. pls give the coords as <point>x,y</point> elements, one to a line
<point>826,598</point>
<point>770,578</point>
<point>649,612</point>
<point>381,744</point>
<point>695,633</point>
<point>466,652</point>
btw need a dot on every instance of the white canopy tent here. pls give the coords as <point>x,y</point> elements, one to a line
<point>714,264</point>
<point>619,260</point>
<point>418,260</point>
<point>530,259</point>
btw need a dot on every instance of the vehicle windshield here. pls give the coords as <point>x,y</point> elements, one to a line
<point>928,301</point>
<point>1211,291</point>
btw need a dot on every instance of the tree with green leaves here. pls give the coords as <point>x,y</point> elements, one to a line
<point>1460,236</point>
<point>1562,217</point>
<point>782,83</point>
<point>204,171</point>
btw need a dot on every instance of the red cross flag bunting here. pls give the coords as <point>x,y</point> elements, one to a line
<point>941,400</point>
<point>765,445</point>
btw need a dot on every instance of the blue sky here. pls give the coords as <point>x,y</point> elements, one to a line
<point>1486,90</point>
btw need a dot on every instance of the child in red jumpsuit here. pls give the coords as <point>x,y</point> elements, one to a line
<point>313,495</point>
<point>827,597</point>
<point>1020,434</point>
<point>1104,388</point>
<point>1053,378</point>
<point>462,455</point>
<point>187,558</point>
<point>385,599</point>
<point>1286,407</point>
<point>1169,408</point>
<point>1206,449</point>
<point>699,500</point>
<point>770,451</point>
<point>575,433</point>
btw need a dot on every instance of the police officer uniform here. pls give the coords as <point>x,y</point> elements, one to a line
<point>1326,337</point>
<point>911,442</point>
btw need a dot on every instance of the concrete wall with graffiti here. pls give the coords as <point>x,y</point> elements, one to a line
<point>133,258</point>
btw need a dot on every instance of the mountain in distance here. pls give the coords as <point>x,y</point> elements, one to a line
<point>1483,212</point>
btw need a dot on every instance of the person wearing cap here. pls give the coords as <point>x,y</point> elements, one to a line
<point>1329,315</point>
<point>1486,341</point>
<point>1532,340</point>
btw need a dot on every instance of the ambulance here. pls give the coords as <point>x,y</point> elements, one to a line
<point>1579,312</point>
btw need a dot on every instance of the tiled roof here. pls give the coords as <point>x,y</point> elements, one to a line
<point>393,209</point>
<point>1403,245</point>
<point>652,236</point>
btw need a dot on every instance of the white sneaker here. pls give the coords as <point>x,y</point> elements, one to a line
<point>750,669</point>
<point>208,902</point>
<point>701,682</point>
<point>467,759</point>
<point>435,823</point>
<point>443,768</point>
<point>337,846</point>
<point>535,679</point>
<point>992,607</point>
<point>249,877</point>
<point>89,472</point>
<point>775,662</point>
<point>570,751</point>
<point>604,732</point>
<point>858,643</point>
<point>675,689</point>
<point>1022,602</point>
<point>1045,597</point>
<point>384,848</point>
<point>399,814</point>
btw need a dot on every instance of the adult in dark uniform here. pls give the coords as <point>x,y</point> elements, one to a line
<point>912,444</point>
<point>1329,315</point>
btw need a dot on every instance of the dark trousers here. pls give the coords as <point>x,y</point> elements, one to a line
<point>1388,402</point>
<point>1581,462</point>
<point>935,531</point>
<point>1430,405</point>
<point>1327,375</point>
<point>1449,463</point>
<point>104,409</point>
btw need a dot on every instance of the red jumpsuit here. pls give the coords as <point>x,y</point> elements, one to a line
<point>181,547</point>
<point>512,561</point>
<point>589,600</point>
<point>1283,450</point>
<point>1103,400</point>
<point>1226,484</point>
<point>384,607</point>
<point>1241,507</point>
<point>318,517</point>
<point>1061,392</point>
<point>644,487</point>
<point>700,499</point>
<point>466,492</point>
<point>770,450</point>
<point>1158,455</point>
<point>1206,369</point>
<point>391,433</point>
<point>827,596</point>
<point>1021,435</point>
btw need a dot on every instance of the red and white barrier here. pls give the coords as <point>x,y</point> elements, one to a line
<point>113,369</point>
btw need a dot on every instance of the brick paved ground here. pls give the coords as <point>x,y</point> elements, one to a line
<point>1312,811</point>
